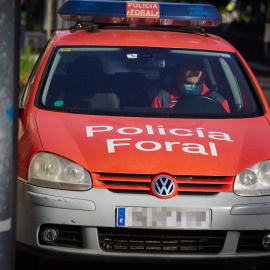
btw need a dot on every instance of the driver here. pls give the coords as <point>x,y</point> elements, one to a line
<point>190,80</point>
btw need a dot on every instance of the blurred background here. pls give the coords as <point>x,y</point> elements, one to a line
<point>246,25</point>
<point>36,15</point>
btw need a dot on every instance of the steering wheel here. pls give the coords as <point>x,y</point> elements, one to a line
<point>199,104</point>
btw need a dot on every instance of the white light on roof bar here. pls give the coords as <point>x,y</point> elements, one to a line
<point>130,12</point>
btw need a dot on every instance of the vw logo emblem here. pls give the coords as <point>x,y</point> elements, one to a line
<point>163,186</point>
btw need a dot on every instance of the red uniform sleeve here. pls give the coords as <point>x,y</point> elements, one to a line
<point>156,102</point>
<point>225,105</point>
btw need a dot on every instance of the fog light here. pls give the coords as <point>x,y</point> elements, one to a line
<point>266,241</point>
<point>49,235</point>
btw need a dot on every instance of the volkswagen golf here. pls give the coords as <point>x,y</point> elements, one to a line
<point>143,137</point>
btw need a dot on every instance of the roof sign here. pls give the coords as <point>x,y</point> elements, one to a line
<point>137,12</point>
<point>142,10</point>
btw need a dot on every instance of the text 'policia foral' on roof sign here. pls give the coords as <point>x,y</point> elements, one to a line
<point>142,10</point>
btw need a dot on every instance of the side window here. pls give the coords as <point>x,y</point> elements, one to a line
<point>26,91</point>
<point>29,84</point>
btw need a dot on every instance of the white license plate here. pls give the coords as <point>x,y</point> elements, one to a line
<point>163,217</point>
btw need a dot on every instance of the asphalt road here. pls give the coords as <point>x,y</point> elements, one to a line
<point>250,45</point>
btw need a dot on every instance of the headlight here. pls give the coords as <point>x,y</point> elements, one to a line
<point>254,181</point>
<point>53,171</point>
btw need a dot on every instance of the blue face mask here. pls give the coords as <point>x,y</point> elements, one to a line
<point>192,89</point>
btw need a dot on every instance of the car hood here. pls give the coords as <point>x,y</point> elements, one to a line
<point>113,144</point>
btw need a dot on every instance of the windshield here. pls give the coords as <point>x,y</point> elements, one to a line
<point>147,82</point>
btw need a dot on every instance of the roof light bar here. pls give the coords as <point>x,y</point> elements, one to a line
<point>133,12</point>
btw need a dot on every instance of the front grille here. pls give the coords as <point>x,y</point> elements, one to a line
<point>69,236</point>
<point>251,241</point>
<point>160,241</point>
<point>141,183</point>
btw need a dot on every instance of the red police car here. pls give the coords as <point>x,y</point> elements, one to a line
<point>143,137</point>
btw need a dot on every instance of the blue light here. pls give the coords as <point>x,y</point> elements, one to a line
<point>154,13</point>
<point>93,8</point>
<point>183,11</point>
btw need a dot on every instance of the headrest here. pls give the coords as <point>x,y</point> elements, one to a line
<point>85,66</point>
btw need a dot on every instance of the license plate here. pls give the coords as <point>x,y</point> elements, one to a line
<point>163,217</point>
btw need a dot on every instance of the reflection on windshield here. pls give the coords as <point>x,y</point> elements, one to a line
<point>154,82</point>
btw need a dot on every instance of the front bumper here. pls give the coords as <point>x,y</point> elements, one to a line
<point>91,212</point>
